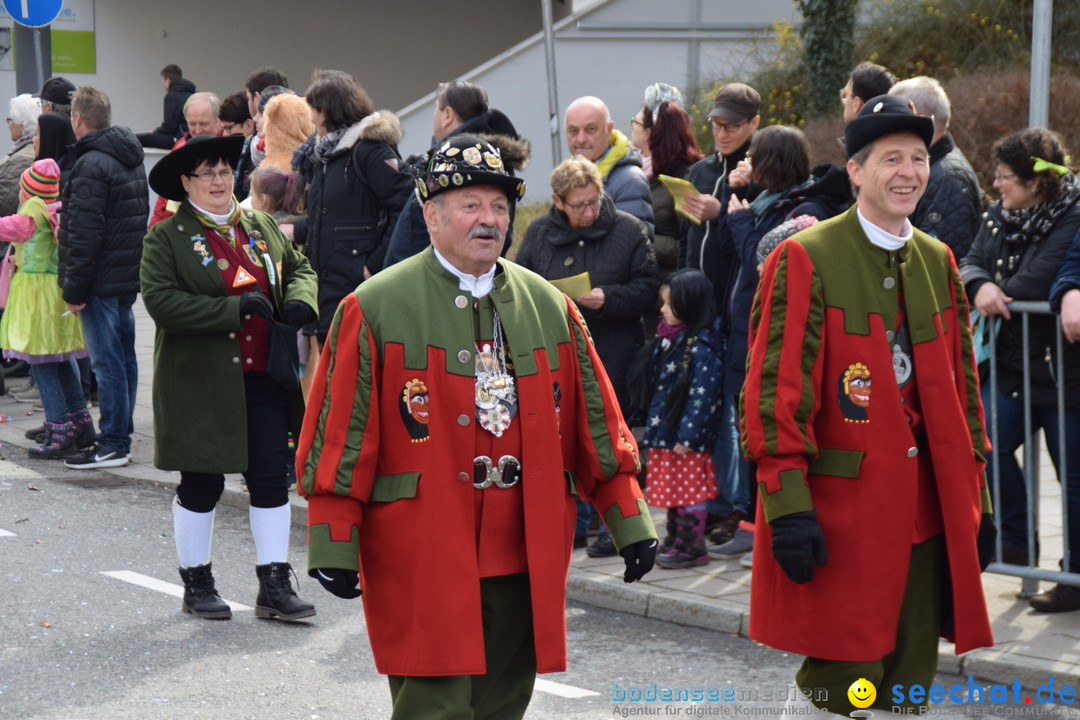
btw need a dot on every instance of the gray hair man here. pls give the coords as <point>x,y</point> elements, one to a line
<point>950,208</point>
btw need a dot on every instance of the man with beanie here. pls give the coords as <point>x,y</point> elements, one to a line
<point>483,414</point>
<point>105,202</point>
<point>861,408</point>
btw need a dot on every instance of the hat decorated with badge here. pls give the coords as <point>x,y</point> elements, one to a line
<point>465,160</point>
<point>165,176</point>
<point>42,179</point>
<point>885,115</point>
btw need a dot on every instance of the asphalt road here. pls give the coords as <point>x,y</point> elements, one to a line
<point>90,630</point>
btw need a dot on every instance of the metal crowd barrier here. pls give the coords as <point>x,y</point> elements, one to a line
<point>1030,574</point>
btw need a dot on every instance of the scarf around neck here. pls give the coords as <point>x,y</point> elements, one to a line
<point>222,224</point>
<point>1032,224</point>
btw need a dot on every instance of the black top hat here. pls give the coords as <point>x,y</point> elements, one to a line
<point>465,160</point>
<point>885,115</point>
<point>165,175</point>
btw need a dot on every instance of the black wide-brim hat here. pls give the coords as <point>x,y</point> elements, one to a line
<point>165,175</point>
<point>885,115</point>
<point>464,160</point>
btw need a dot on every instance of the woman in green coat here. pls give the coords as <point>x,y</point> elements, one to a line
<point>214,278</point>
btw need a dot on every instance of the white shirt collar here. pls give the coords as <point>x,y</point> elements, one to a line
<point>881,238</point>
<point>218,219</point>
<point>476,285</point>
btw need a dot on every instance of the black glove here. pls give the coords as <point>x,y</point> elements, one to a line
<point>639,558</point>
<point>255,303</point>
<point>986,540</point>
<point>798,543</point>
<point>296,314</point>
<point>343,583</point>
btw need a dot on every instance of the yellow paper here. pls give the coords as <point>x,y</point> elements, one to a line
<point>679,189</point>
<point>575,286</point>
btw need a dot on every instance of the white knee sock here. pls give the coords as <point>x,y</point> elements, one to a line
<point>270,527</point>
<point>193,533</point>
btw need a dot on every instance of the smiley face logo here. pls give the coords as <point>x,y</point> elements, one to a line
<point>862,693</point>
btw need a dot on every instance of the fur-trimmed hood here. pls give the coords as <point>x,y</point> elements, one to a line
<point>380,126</point>
<point>515,151</point>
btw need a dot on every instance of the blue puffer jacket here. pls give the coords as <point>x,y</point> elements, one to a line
<point>700,423</point>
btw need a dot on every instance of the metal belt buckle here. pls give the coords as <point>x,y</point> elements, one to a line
<point>504,461</point>
<point>494,474</point>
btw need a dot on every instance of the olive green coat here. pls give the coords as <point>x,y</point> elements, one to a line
<point>200,417</point>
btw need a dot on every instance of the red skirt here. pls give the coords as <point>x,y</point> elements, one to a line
<point>675,481</point>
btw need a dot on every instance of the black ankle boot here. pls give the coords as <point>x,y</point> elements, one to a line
<point>277,599</point>
<point>200,597</point>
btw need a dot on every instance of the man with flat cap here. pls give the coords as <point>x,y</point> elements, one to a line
<point>861,408</point>
<point>461,394</point>
<point>56,95</point>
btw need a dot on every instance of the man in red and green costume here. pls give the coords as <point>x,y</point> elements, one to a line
<point>861,409</point>
<point>458,408</point>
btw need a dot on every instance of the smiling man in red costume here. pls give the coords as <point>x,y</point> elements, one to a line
<point>458,408</point>
<point>861,408</point>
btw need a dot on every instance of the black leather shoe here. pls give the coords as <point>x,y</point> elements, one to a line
<point>603,546</point>
<point>200,596</point>
<point>1060,598</point>
<point>277,599</point>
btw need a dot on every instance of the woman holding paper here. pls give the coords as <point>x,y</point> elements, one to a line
<point>606,256</point>
<point>584,237</point>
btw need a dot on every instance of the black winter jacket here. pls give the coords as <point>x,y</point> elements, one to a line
<point>1026,271</point>
<point>616,252</point>
<point>172,118</point>
<point>103,216</point>
<point>708,246</point>
<point>952,203</point>
<point>350,218</point>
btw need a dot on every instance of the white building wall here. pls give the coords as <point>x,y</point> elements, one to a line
<point>612,49</point>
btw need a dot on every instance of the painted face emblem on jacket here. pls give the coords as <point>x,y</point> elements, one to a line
<point>413,406</point>
<point>853,393</point>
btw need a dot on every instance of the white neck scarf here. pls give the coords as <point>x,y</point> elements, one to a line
<point>881,238</point>
<point>476,285</point>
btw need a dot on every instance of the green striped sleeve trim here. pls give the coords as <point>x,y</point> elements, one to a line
<point>771,363</point>
<point>358,418</point>
<point>594,406</point>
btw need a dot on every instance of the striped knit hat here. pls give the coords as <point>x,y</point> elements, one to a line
<point>42,179</point>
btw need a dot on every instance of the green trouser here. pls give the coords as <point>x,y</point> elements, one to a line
<point>504,691</point>
<point>913,661</point>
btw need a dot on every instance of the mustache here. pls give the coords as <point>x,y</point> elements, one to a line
<point>485,230</point>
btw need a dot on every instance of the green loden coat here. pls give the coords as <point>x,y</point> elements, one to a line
<point>200,422</point>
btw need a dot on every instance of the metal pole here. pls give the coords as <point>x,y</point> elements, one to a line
<point>693,55</point>
<point>40,64</point>
<point>1039,109</point>
<point>553,95</point>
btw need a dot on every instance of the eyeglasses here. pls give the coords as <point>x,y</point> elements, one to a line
<point>593,205</point>
<point>210,175</point>
<point>726,126</point>
<point>634,121</point>
<point>1004,176</point>
<point>844,96</point>
<point>8,120</point>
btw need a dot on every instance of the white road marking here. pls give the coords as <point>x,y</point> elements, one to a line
<point>160,585</point>
<point>5,533</point>
<point>566,691</point>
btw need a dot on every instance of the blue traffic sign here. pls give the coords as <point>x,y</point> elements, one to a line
<point>33,13</point>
